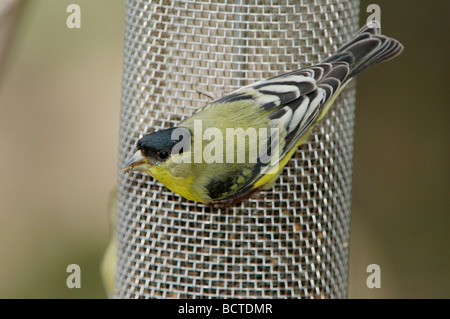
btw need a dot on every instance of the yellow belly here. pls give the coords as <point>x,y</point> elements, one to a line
<point>181,186</point>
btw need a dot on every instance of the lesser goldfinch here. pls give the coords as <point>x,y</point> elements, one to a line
<point>287,106</point>
<point>108,264</point>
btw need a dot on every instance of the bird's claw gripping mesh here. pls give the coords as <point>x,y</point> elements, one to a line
<point>290,242</point>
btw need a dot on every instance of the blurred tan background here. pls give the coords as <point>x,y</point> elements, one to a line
<point>60,95</point>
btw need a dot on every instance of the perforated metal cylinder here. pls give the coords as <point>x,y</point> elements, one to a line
<point>292,241</point>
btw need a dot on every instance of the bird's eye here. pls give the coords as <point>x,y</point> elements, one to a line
<point>163,155</point>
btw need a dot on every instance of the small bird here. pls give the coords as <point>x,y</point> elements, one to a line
<point>280,112</point>
<point>109,261</point>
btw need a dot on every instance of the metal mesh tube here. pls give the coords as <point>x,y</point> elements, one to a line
<point>292,241</point>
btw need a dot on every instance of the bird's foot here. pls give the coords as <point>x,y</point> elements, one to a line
<point>217,94</point>
<point>225,203</point>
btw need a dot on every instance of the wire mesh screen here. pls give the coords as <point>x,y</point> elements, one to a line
<point>291,241</point>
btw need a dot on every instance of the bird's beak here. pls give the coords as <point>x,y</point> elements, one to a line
<point>137,162</point>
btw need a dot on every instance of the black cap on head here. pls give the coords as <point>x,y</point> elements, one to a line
<point>161,140</point>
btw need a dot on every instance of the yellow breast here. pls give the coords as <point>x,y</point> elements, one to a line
<point>179,185</point>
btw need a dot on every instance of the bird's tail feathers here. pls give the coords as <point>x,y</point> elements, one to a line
<point>368,47</point>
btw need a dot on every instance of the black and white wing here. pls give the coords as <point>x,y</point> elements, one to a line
<point>293,102</point>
